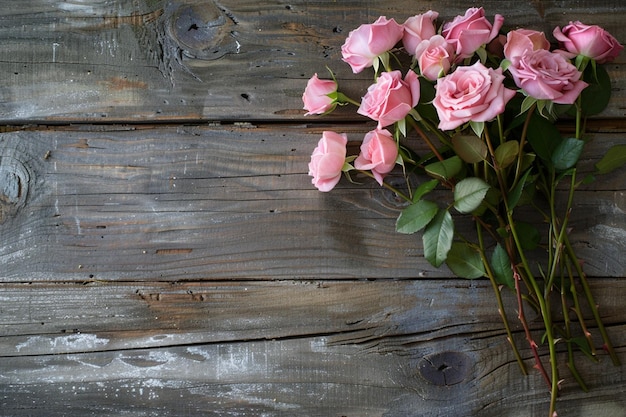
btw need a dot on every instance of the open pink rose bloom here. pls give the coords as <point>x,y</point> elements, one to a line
<point>391,98</point>
<point>379,152</point>
<point>474,93</point>
<point>590,41</point>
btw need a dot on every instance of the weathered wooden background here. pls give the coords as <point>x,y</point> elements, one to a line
<point>164,253</point>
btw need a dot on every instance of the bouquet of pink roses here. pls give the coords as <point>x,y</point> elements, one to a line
<point>484,103</point>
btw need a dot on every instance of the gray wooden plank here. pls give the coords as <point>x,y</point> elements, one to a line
<point>121,61</point>
<point>281,348</point>
<point>229,202</point>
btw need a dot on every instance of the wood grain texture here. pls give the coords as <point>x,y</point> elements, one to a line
<point>281,348</point>
<point>163,251</point>
<point>120,61</point>
<point>230,202</point>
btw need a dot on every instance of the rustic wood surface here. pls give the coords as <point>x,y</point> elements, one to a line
<point>164,253</point>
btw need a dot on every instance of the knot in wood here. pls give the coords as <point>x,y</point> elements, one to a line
<point>445,368</point>
<point>391,199</point>
<point>14,180</point>
<point>201,29</point>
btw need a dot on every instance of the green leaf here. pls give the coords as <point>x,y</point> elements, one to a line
<point>527,161</point>
<point>506,153</point>
<point>423,189</point>
<point>425,107</point>
<point>566,153</point>
<point>501,267</point>
<point>613,159</point>
<point>516,193</point>
<point>595,97</point>
<point>347,167</point>
<point>527,104</point>
<point>415,115</point>
<point>492,199</point>
<point>401,125</point>
<point>470,148</point>
<point>546,109</point>
<point>503,232</point>
<point>437,238</point>
<point>416,216</point>
<point>376,65</point>
<point>505,64</point>
<point>543,136</point>
<point>581,62</point>
<point>477,127</point>
<point>589,179</point>
<point>465,261</point>
<point>482,54</point>
<point>583,344</point>
<point>445,169</point>
<point>407,155</point>
<point>469,193</point>
<point>528,235</point>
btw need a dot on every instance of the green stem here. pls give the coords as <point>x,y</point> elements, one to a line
<point>592,304</point>
<point>440,135</point>
<point>545,314</point>
<point>582,276</point>
<point>559,248</point>
<point>522,142</point>
<point>540,295</point>
<point>496,291</point>
<point>522,318</point>
<point>557,244</point>
<point>500,129</point>
<point>343,99</point>
<point>579,114</point>
<point>578,311</point>
<point>425,138</point>
<point>571,364</point>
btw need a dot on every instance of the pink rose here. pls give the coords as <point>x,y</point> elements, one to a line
<point>434,57</point>
<point>546,75</point>
<point>327,160</point>
<point>316,96</point>
<point>469,32</point>
<point>367,42</point>
<point>471,93</point>
<point>391,98</point>
<point>521,40</point>
<point>379,152</point>
<point>590,41</point>
<point>417,29</point>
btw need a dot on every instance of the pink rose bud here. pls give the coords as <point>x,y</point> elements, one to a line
<point>520,41</point>
<point>316,96</point>
<point>391,98</point>
<point>546,75</point>
<point>417,29</point>
<point>434,57</point>
<point>367,42</point>
<point>471,93</point>
<point>327,160</point>
<point>590,41</point>
<point>469,32</point>
<point>379,152</point>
